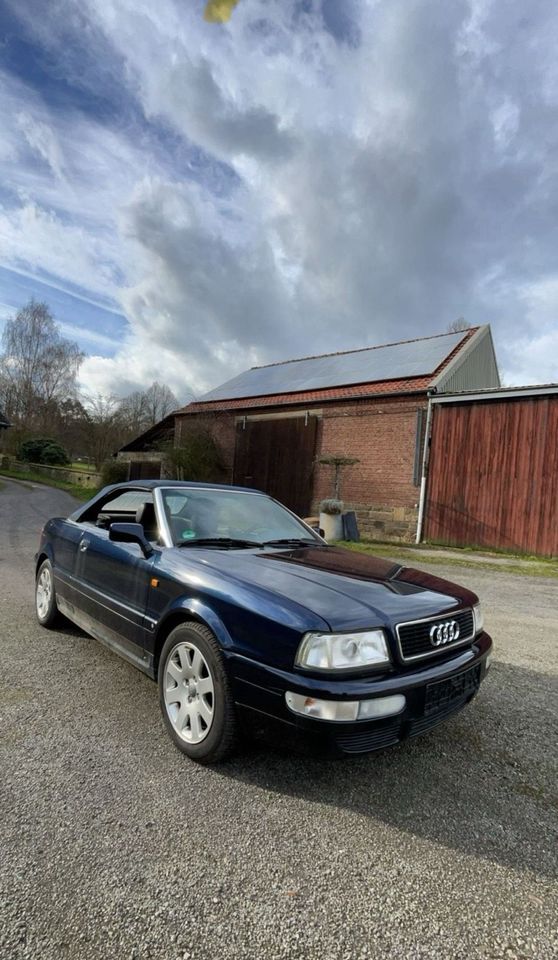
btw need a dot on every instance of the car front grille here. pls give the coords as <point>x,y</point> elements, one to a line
<point>414,638</point>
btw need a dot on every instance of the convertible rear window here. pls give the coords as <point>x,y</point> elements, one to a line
<point>127,502</point>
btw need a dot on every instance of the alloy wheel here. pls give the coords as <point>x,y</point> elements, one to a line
<point>189,692</point>
<point>44,593</point>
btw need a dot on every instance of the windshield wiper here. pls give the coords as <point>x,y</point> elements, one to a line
<point>225,542</point>
<point>293,542</point>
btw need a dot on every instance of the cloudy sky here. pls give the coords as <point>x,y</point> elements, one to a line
<point>192,198</point>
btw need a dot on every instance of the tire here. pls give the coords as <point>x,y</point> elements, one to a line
<point>45,596</point>
<point>195,696</point>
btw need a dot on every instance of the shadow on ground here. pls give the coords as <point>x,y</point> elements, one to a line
<point>483,784</point>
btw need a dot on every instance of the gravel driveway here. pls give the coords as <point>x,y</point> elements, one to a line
<point>113,845</point>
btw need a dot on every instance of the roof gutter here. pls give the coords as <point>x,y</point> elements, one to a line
<point>498,394</point>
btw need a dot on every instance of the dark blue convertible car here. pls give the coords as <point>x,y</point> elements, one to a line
<point>243,613</point>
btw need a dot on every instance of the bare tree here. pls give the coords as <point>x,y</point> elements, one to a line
<point>143,409</point>
<point>458,325</point>
<point>38,366</point>
<point>103,428</point>
<point>159,401</point>
<point>133,411</point>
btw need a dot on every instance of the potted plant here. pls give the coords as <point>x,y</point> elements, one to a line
<point>331,518</point>
<point>331,510</point>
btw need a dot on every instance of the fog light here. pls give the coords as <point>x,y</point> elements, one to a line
<point>340,710</point>
<point>345,711</point>
<point>381,707</point>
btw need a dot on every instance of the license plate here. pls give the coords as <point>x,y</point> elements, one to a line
<point>444,692</point>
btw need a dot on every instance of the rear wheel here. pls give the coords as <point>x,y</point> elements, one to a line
<point>45,597</point>
<point>194,694</point>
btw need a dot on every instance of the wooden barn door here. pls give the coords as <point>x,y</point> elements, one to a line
<point>144,470</point>
<point>277,456</point>
<point>493,476</point>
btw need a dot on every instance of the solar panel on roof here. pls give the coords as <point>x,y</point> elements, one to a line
<point>400,360</point>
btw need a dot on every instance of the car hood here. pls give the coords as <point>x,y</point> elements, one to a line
<point>347,589</point>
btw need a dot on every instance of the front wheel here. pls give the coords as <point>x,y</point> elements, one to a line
<point>45,597</point>
<point>194,694</point>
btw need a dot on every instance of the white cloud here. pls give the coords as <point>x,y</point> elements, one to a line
<point>31,236</point>
<point>42,138</point>
<point>137,365</point>
<point>534,360</point>
<point>505,120</point>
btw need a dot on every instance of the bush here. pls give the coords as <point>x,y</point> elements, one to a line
<point>114,471</point>
<point>198,458</point>
<point>44,450</point>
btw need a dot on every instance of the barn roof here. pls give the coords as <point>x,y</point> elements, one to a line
<point>161,431</point>
<point>408,366</point>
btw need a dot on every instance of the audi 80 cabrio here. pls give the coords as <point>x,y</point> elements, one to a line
<point>241,612</point>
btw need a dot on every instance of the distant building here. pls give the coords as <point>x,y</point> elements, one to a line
<point>145,452</point>
<point>445,453</point>
<point>274,423</point>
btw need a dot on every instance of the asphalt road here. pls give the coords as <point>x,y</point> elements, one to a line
<point>115,846</point>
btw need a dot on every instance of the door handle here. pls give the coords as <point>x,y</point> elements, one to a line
<point>83,545</point>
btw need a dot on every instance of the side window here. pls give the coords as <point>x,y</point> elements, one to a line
<point>123,506</point>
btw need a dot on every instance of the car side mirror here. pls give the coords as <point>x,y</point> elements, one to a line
<point>131,533</point>
<point>321,532</point>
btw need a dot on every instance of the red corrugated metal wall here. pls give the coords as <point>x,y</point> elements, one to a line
<point>493,475</point>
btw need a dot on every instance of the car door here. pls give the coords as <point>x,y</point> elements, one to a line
<point>64,537</point>
<point>113,579</point>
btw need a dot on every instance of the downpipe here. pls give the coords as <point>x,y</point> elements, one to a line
<point>424,477</point>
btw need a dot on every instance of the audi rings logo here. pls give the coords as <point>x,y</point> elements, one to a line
<point>442,633</point>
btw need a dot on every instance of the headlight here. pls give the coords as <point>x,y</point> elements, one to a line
<point>479,618</point>
<point>342,651</point>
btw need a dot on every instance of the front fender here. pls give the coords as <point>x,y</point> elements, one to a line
<point>183,607</point>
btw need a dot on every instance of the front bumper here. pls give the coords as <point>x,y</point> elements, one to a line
<point>259,690</point>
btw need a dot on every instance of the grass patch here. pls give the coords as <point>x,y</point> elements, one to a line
<point>498,553</point>
<point>538,567</point>
<point>27,476</point>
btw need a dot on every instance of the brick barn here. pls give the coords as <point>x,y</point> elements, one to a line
<point>274,423</point>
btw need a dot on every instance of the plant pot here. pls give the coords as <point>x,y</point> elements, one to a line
<point>332,525</point>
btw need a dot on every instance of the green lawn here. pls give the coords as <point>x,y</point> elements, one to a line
<point>526,566</point>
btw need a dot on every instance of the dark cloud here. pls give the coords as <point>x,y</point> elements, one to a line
<point>363,172</point>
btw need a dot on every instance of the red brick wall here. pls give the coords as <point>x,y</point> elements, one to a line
<point>382,435</point>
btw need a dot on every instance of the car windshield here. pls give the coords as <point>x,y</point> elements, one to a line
<point>196,515</point>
